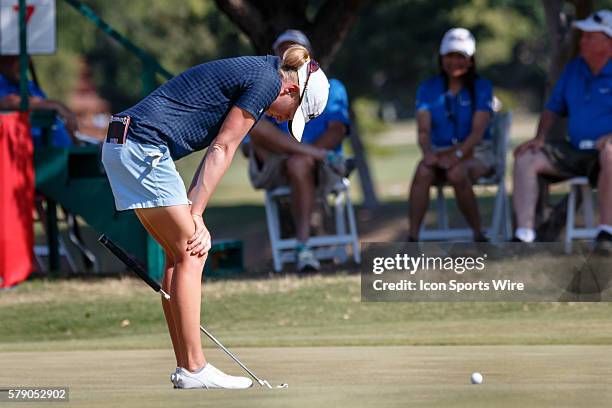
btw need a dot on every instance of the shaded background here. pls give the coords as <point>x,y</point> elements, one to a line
<point>390,47</point>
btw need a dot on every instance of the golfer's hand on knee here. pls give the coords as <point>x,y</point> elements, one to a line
<point>199,243</point>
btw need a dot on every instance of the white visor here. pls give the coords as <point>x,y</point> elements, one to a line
<point>314,91</point>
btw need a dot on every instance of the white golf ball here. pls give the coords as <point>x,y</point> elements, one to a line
<point>476,378</point>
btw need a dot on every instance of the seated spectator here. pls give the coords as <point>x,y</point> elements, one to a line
<point>583,94</point>
<point>309,168</point>
<point>453,113</point>
<point>63,132</point>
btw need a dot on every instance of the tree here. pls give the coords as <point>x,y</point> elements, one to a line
<point>563,40</point>
<point>263,20</point>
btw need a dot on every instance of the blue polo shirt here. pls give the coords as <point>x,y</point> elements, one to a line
<point>451,115</point>
<point>337,109</point>
<point>586,100</point>
<point>59,134</point>
<point>186,113</point>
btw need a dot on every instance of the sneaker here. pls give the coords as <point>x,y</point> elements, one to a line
<point>307,261</point>
<point>603,243</point>
<point>173,377</point>
<point>210,377</point>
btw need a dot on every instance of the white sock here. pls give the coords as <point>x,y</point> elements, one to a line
<point>606,228</point>
<point>525,234</point>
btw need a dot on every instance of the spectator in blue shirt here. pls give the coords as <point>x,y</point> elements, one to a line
<point>275,159</point>
<point>583,94</point>
<point>63,132</point>
<point>453,113</point>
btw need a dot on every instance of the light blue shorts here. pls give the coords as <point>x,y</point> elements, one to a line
<point>142,176</point>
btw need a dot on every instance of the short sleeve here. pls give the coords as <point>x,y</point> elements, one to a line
<point>259,91</point>
<point>484,96</point>
<point>422,100</point>
<point>557,102</point>
<point>337,108</point>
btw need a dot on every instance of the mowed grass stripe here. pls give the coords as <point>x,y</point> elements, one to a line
<point>287,311</point>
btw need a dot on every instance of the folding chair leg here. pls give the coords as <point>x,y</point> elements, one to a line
<point>63,251</point>
<point>338,208</point>
<point>507,217</point>
<point>569,225</point>
<point>273,231</point>
<point>353,229</point>
<point>587,206</point>
<point>74,234</point>
<point>442,210</point>
<point>339,202</point>
<point>498,211</point>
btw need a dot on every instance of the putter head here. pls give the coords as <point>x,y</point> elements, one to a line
<point>267,384</point>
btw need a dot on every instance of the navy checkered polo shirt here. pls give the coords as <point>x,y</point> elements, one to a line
<point>186,113</point>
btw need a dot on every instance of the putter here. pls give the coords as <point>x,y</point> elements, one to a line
<point>139,270</point>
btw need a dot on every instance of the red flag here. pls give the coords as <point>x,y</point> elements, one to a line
<point>16,198</point>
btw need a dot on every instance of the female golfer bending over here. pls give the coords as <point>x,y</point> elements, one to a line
<point>211,105</point>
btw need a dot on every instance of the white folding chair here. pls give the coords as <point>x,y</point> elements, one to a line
<point>500,225</point>
<point>588,211</point>
<point>332,246</point>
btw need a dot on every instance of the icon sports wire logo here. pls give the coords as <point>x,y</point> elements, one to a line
<point>412,264</point>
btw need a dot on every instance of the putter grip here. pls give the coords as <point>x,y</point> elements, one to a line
<point>129,262</point>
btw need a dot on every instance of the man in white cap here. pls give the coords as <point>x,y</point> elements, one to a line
<point>310,168</point>
<point>584,95</point>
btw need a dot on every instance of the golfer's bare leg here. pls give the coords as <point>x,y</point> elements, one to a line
<point>300,171</point>
<point>527,167</point>
<point>604,185</point>
<point>418,200</point>
<point>179,352</point>
<point>175,227</point>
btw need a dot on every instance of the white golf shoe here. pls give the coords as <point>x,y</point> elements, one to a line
<point>173,377</point>
<point>209,378</point>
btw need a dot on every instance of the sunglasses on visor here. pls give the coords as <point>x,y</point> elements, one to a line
<point>313,66</point>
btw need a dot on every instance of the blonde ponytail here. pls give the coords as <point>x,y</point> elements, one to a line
<point>292,60</point>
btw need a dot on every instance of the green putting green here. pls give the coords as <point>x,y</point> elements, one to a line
<point>107,341</point>
<point>402,376</point>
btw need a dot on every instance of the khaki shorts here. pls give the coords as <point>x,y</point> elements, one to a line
<point>482,152</point>
<point>271,174</point>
